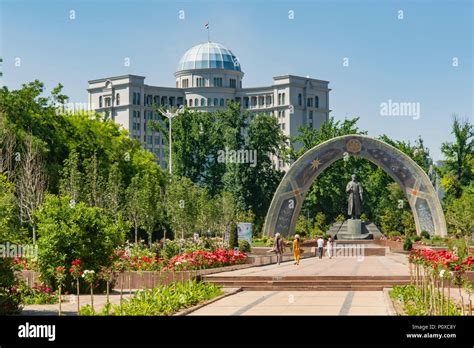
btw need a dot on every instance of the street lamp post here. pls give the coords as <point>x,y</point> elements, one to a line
<point>170,114</point>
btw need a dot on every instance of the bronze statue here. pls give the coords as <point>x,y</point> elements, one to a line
<point>354,189</point>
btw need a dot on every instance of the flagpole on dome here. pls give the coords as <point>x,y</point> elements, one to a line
<point>208,31</point>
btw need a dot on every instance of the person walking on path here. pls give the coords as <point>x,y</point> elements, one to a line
<point>330,247</point>
<point>320,243</point>
<point>278,247</point>
<point>296,249</point>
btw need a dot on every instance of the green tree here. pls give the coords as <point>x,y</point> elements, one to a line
<point>233,236</point>
<point>181,206</point>
<point>458,169</point>
<point>460,213</point>
<point>72,180</point>
<point>75,231</point>
<point>152,208</point>
<point>94,185</point>
<point>134,198</point>
<point>114,191</point>
<point>9,224</point>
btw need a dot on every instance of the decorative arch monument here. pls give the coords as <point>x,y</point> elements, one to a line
<point>289,196</point>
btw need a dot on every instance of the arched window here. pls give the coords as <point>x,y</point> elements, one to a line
<point>300,99</point>
<point>100,101</point>
<point>283,99</point>
<point>196,102</point>
<point>117,99</point>
<point>216,102</point>
<point>316,102</point>
<point>209,101</point>
<point>190,102</point>
<point>203,102</point>
<point>221,102</point>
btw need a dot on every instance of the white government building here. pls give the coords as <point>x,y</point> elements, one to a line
<point>207,77</point>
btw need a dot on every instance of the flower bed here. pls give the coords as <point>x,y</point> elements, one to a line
<point>162,300</point>
<point>187,261</point>
<point>38,294</point>
<point>205,259</point>
<point>433,271</point>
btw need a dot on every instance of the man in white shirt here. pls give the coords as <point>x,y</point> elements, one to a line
<point>320,243</point>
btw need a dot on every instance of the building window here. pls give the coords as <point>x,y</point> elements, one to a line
<point>100,101</point>
<point>279,98</point>
<point>203,102</point>
<point>216,102</point>
<point>200,82</point>
<point>190,102</point>
<point>107,102</point>
<point>217,81</point>
<point>300,99</point>
<point>232,83</point>
<point>309,102</point>
<point>283,99</point>
<point>117,99</point>
<point>185,83</point>
<point>156,100</point>
<point>209,101</point>
<point>221,102</point>
<point>270,100</point>
<point>316,102</point>
<point>196,102</point>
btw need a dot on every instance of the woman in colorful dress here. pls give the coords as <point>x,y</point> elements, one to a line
<point>296,249</point>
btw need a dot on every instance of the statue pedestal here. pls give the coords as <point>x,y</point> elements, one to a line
<point>354,227</point>
<point>351,230</point>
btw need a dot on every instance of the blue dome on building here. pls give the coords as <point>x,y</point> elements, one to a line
<point>209,55</point>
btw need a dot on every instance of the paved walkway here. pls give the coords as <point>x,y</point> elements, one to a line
<point>299,303</point>
<point>391,264</point>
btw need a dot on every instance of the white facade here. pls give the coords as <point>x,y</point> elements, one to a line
<point>208,76</point>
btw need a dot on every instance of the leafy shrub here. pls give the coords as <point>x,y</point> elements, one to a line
<point>38,294</point>
<point>244,246</point>
<point>69,232</point>
<point>10,295</point>
<point>417,238</point>
<point>411,299</point>
<point>270,242</point>
<point>425,234</point>
<point>394,234</point>
<point>163,300</point>
<point>341,218</point>
<point>407,245</point>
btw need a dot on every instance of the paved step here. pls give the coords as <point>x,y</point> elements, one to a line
<point>316,283</point>
<point>307,278</point>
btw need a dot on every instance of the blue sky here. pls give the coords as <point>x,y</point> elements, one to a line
<point>408,60</point>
